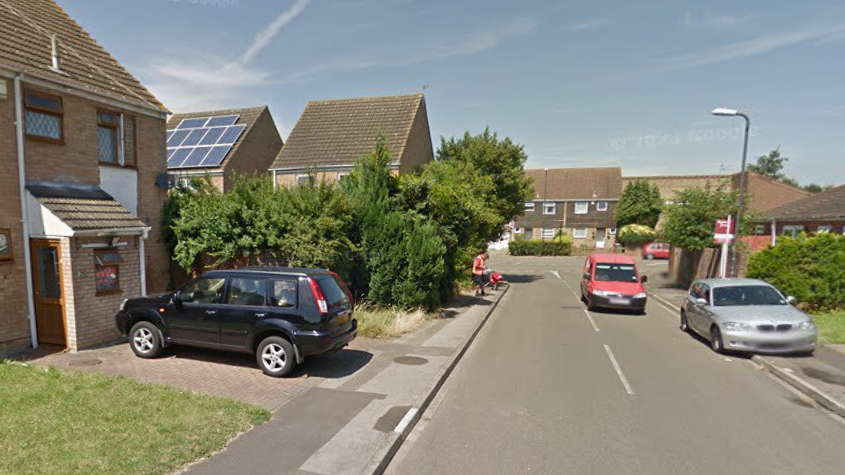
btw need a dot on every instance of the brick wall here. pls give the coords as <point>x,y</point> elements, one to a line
<point>258,150</point>
<point>418,149</point>
<point>90,317</point>
<point>14,322</point>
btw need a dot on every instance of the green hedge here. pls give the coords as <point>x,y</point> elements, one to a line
<point>812,269</point>
<point>537,247</point>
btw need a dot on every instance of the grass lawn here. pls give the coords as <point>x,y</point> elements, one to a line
<point>831,327</point>
<point>389,323</point>
<point>68,422</point>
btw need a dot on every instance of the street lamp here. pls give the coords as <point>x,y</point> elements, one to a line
<point>725,112</point>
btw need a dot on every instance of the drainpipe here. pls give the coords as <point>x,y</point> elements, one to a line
<point>30,297</point>
<point>274,180</point>
<point>774,232</point>
<point>142,251</point>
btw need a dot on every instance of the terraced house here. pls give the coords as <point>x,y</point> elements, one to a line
<point>330,136</point>
<point>81,151</point>
<point>576,201</point>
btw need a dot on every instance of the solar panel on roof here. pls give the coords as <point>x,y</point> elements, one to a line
<point>212,135</point>
<point>231,134</point>
<point>192,123</point>
<point>177,137</point>
<point>222,120</point>
<point>170,153</point>
<point>194,137</point>
<point>178,157</point>
<point>170,134</point>
<point>216,156</point>
<point>196,157</point>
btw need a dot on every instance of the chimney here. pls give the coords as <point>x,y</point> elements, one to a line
<point>54,42</point>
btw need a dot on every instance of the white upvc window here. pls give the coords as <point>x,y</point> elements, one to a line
<point>529,206</point>
<point>824,229</point>
<point>302,179</point>
<point>792,230</point>
<point>548,208</point>
<point>582,207</point>
<point>341,176</point>
<point>601,206</point>
<point>612,231</point>
<point>579,233</point>
<point>547,233</point>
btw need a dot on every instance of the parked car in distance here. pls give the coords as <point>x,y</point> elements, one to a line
<point>655,250</point>
<point>281,315</point>
<point>613,281</point>
<point>747,315</point>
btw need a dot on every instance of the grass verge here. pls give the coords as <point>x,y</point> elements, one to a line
<point>68,422</point>
<point>831,327</point>
<point>388,323</point>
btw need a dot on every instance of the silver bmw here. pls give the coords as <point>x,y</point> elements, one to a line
<point>747,315</point>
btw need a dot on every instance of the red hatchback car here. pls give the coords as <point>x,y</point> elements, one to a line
<point>655,250</point>
<point>613,281</point>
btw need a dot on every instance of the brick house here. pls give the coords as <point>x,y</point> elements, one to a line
<point>221,144</point>
<point>80,153</point>
<point>819,213</point>
<point>765,193</point>
<point>331,135</point>
<point>579,202</point>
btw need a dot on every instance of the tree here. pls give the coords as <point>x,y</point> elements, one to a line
<point>815,188</point>
<point>633,235</point>
<point>770,165</point>
<point>503,161</point>
<point>690,220</point>
<point>640,203</point>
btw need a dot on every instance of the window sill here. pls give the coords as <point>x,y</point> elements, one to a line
<point>38,138</point>
<point>107,292</point>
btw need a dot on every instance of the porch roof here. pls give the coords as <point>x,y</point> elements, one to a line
<point>84,207</point>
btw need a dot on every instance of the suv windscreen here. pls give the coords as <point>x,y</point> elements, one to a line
<point>615,273</point>
<point>332,290</point>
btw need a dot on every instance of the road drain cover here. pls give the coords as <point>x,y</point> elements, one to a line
<point>411,360</point>
<point>85,362</point>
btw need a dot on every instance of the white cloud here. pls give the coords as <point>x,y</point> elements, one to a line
<point>587,25</point>
<point>764,44</point>
<point>264,37</point>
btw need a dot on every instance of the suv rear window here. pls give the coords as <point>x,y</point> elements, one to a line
<point>333,291</point>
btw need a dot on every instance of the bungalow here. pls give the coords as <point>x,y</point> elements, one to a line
<point>221,144</point>
<point>330,136</point>
<point>80,209</point>
<point>819,213</point>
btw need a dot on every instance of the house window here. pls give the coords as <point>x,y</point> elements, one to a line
<point>547,233</point>
<point>303,179</point>
<point>548,208</point>
<point>107,271</point>
<point>824,229</point>
<point>341,176</point>
<point>612,231</point>
<point>44,116</point>
<point>529,207</point>
<point>792,230</point>
<point>579,233</point>
<point>108,133</point>
<point>759,230</point>
<point>581,207</point>
<point>601,206</point>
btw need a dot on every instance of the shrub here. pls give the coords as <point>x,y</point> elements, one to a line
<point>812,269</point>
<point>560,246</point>
<point>635,235</point>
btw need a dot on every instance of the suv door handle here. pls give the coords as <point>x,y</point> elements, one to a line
<point>259,315</point>
<point>211,312</point>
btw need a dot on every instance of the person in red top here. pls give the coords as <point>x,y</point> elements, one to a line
<point>478,267</point>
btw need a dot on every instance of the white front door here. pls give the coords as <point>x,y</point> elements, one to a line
<point>601,233</point>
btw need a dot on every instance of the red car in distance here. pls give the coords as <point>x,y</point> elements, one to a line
<point>655,250</point>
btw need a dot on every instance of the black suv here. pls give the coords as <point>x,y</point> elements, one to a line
<point>279,314</point>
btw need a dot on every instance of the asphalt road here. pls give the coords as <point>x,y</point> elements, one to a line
<point>545,390</point>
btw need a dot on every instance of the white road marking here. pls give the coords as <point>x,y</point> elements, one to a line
<point>593,322</point>
<point>728,359</point>
<point>576,295</point>
<point>619,371</point>
<point>672,312</point>
<point>406,420</point>
<point>556,274</point>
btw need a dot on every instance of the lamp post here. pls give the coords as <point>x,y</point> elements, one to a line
<point>724,112</point>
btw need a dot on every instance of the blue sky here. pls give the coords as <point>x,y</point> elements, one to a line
<point>579,82</point>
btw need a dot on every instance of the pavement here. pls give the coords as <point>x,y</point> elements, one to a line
<point>820,377</point>
<point>548,387</point>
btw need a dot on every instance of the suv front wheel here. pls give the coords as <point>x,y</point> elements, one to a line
<point>275,356</point>
<point>145,340</point>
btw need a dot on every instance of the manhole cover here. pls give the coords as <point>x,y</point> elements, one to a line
<point>411,360</point>
<point>85,362</point>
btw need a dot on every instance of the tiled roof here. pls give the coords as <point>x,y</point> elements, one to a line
<point>25,45</point>
<point>577,183</point>
<point>828,204</point>
<point>338,132</point>
<point>84,208</point>
<point>246,117</point>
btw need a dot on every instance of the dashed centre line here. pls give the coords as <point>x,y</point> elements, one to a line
<point>619,372</point>
<point>592,322</point>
